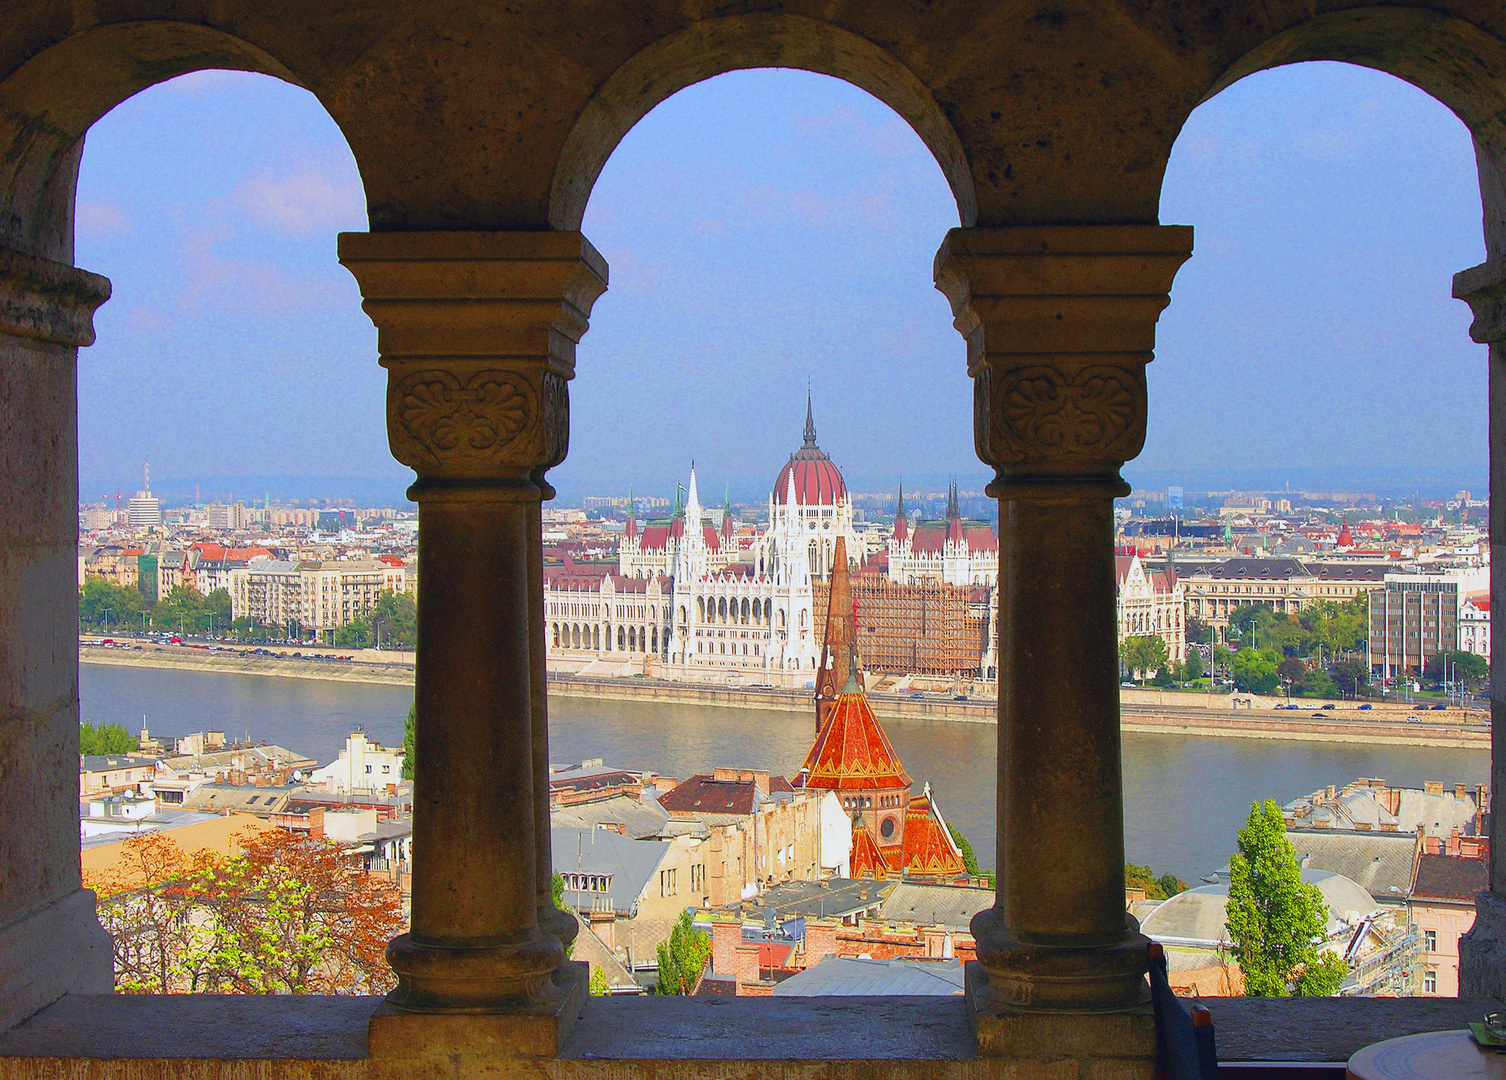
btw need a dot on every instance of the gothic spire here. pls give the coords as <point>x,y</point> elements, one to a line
<point>953,510</point>
<point>810,423</point>
<point>900,510</point>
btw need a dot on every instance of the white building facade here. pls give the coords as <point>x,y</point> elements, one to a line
<point>1148,602</point>
<point>363,768</point>
<point>687,599</point>
<point>953,551</point>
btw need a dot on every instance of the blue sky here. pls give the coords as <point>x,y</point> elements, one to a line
<point>771,229</point>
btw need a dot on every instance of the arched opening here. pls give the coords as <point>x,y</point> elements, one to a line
<point>1333,203</point>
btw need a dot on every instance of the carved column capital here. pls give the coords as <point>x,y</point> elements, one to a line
<point>48,301</point>
<point>477,332</point>
<point>1483,288</point>
<point>1060,323</point>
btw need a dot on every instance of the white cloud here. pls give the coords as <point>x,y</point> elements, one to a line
<point>100,220</point>
<point>303,203</point>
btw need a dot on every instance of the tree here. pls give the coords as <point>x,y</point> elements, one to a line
<point>102,603</point>
<point>1278,924</point>
<point>682,957</point>
<point>1156,888</point>
<point>1254,670</point>
<point>1460,665</point>
<point>1350,675</point>
<point>1196,629</point>
<point>969,857</point>
<point>599,985</point>
<point>409,758</point>
<point>1195,667</point>
<point>1319,684</point>
<point>1143,655</point>
<point>289,914</point>
<point>303,917</point>
<point>105,739</point>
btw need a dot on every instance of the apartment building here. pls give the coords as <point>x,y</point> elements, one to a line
<point>1414,617</point>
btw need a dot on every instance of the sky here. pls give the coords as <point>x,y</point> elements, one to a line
<point>770,231</point>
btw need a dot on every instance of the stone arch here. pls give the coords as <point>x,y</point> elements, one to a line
<point>1456,62</point>
<point>48,103</point>
<point>712,47</point>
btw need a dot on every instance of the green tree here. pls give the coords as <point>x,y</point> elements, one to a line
<point>1320,684</point>
<point>599,985</point>
<point>105,739</point>
<point>682,957</point>
<point>1460,665</point>
<point>1277,924</point>
<point>394,621</point>
<point>1170,885</point>
<point>1195,666</point>
<point>1143,655</point>
<point>969,857</point>
<point>104,604</point>
<point>1254,670</point>
<point>409,759</point>
<point>1350,675</point>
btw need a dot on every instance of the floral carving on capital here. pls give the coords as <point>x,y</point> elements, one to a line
<point>1037,415</point>
<point>438,421</point>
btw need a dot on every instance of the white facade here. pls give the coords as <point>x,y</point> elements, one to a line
<point>954,551</point>
<point>363,767</point>
<point>1148,603</point>
<point>702,602</point>
<point>1474,625</point>
<point>144,509</point>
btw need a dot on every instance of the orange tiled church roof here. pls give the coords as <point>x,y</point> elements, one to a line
<point>852,753</point>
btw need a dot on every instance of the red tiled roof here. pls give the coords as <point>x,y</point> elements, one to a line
<point>929,539</point>
<point>818,481</point>
<point>703,794</point>
<point>1450,877</point>
<point>851,752</point>
<point>929,850</point>
<point>866,860</point>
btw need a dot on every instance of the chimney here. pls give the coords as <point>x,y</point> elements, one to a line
<point>1460,791</point>
<point>728,776</point>
<point>1482,794</point>
<point>726,936</point>
<point>1453,842</point>
<point>1433,787</point>
<point>820,940</point>
<point>747,965</point>
<point>316,822</point>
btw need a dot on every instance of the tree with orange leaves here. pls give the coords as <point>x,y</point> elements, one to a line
<point>302,916</point>
<point>289,914</point>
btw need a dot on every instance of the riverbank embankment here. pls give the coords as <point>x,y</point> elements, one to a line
<point>1141,711</point>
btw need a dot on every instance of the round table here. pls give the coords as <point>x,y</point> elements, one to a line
<point>1433,1055</point>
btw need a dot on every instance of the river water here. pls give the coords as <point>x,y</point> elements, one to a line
<point>1185,796</point>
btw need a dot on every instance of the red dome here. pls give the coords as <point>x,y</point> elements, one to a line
<point>818,481</point>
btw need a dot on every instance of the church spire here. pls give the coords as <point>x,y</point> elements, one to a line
<point>837,669</point>
<point>810,423</point>
<point>631,531</point>
<point>953,510</point>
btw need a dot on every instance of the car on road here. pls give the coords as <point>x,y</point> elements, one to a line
<point>961,697</point>
<point>1329,707</point>
<point>1319,716</point>
<point>1414,719</point>
<point>1363,708</point>
<point>1437,708</point>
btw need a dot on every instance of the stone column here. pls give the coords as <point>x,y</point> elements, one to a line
<point>477,332</point>
<point>1060,323</point>
<point>1482,951</point>
<point>561,924</point>
<point>51,943</point>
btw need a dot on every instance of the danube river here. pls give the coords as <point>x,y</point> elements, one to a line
<point>1185,796</point>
